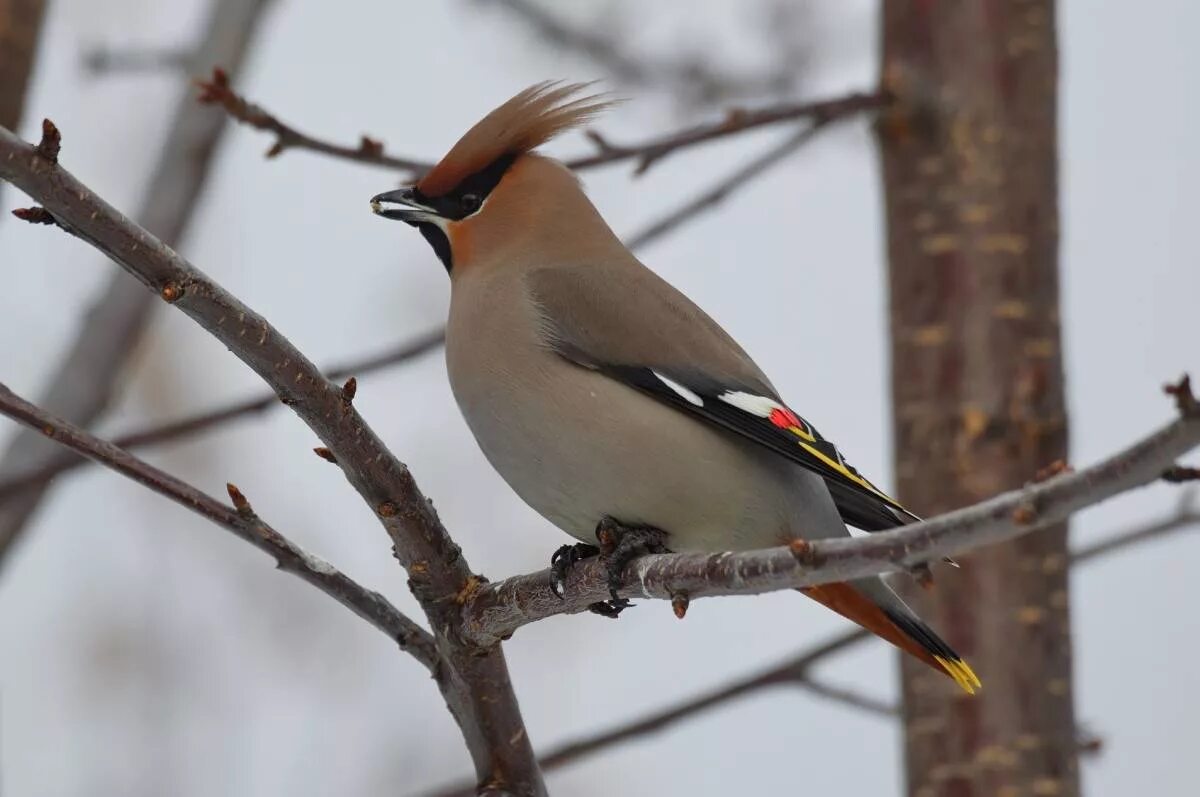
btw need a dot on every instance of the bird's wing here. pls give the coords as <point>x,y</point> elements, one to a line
<point>637,329</point>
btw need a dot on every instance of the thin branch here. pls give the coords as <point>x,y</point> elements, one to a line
<point>216,91</point>
<point>793,672</point>
<point>691,77</point>
<point>712,197</point>
<point>474,682</point>
<point>241,520</point>
<point>498,609</point>
<point>1186,515</point>
<point>650,151</point>
<point>203,421</point>
<point>102,61</point>
<point>84,382</point>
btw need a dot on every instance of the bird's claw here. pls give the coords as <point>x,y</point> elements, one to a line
<point>563,560</point>
<point>621,544</point>
<point>610,608</point>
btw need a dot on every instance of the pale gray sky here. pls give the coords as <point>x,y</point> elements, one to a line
<point>145,652</point>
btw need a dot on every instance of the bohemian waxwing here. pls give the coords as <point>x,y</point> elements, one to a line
<point>600,393</point>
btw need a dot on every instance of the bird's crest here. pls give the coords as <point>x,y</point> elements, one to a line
<point>528,120</point>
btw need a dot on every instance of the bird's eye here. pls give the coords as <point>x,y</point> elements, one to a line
<point>469,203</point>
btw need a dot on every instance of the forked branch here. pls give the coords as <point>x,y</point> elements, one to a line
<point>474,683</point>
<point>217,91</point>
<point>240,519</point>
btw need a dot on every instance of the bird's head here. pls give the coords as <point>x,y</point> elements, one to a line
<point>486,186</point>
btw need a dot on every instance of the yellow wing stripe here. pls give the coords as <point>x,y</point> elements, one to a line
<point>962,674</point>
<point>849,474</point>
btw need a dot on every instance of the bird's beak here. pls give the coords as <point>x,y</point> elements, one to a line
<point>411,210</point>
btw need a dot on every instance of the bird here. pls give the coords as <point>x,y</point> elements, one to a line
<point>608,400</point>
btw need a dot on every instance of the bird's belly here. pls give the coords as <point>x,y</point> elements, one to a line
<point>592,447</point>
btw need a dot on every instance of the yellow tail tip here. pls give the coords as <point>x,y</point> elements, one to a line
<point>962,674</point>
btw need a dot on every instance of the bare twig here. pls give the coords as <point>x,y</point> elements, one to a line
<point>795,671</point>
<point>712,197</point>
<point>650,151</point>
<point>692,78</point>
<point>241,520</point>
<point>1186,515</point>
<point>474,682</point>
<point>216,91</point>
<point>85,380</point>
<point>192,425</point>
<point>499,609</point>
<point>102,60</point>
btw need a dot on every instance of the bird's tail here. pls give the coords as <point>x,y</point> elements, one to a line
<point>897,624</point>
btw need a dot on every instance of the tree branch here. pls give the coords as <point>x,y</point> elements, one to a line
<point>651,151</point>
<point>796,671</point>
<point>474,682</point>
<point>712,197</point>
<point>203,421</point>
<point>102,60</point>
<point>497,610</point>
<point>241,520</point>
<point>217,91</point>
<point>1186,515</point>
<point>85,380</point>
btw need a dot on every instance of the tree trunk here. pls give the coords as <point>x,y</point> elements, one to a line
<point>970,183</point>
<point>20,23</point>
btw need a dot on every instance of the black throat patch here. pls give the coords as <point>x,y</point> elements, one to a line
<point>464,200</point>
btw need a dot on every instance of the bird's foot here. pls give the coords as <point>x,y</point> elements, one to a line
<point>564,559</point>
<point>621,544</point>
<point>610,608</point>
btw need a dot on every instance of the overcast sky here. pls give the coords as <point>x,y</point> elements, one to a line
<point>144,652</point>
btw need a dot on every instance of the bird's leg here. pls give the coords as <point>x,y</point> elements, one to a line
<point>564,559</point>
<point>620,544</point>
<point>561,563</point>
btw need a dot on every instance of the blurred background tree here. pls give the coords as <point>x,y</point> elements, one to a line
<point>970,176</point>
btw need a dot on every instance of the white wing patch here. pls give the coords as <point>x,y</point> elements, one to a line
<point>684,393</point>
<point>760,406</point>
